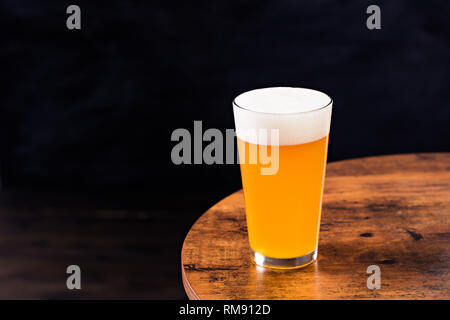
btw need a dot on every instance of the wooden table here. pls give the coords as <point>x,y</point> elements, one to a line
<point>389,211</point>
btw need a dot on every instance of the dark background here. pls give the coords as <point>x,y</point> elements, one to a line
<point>88,114</point>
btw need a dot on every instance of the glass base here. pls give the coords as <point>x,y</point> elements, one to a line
<point>289,263</point>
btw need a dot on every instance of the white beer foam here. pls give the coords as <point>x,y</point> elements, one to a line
<point>300,115</point>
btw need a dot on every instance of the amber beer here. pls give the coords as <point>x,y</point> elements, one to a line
<point>283,208</point>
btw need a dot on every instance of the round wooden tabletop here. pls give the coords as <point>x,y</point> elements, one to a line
<point>389,211</point>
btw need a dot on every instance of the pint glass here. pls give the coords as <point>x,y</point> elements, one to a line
<point>282,136</point>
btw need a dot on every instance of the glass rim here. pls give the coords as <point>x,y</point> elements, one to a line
<point>288,113</point>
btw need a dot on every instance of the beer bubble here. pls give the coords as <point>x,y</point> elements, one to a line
<point>300,115</point>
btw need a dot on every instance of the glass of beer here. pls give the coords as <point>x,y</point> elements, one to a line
<point>282,136</point>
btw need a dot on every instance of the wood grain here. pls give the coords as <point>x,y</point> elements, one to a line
<point>391,211</point>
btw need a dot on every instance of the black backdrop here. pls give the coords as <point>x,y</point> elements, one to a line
<point>94,109</point>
